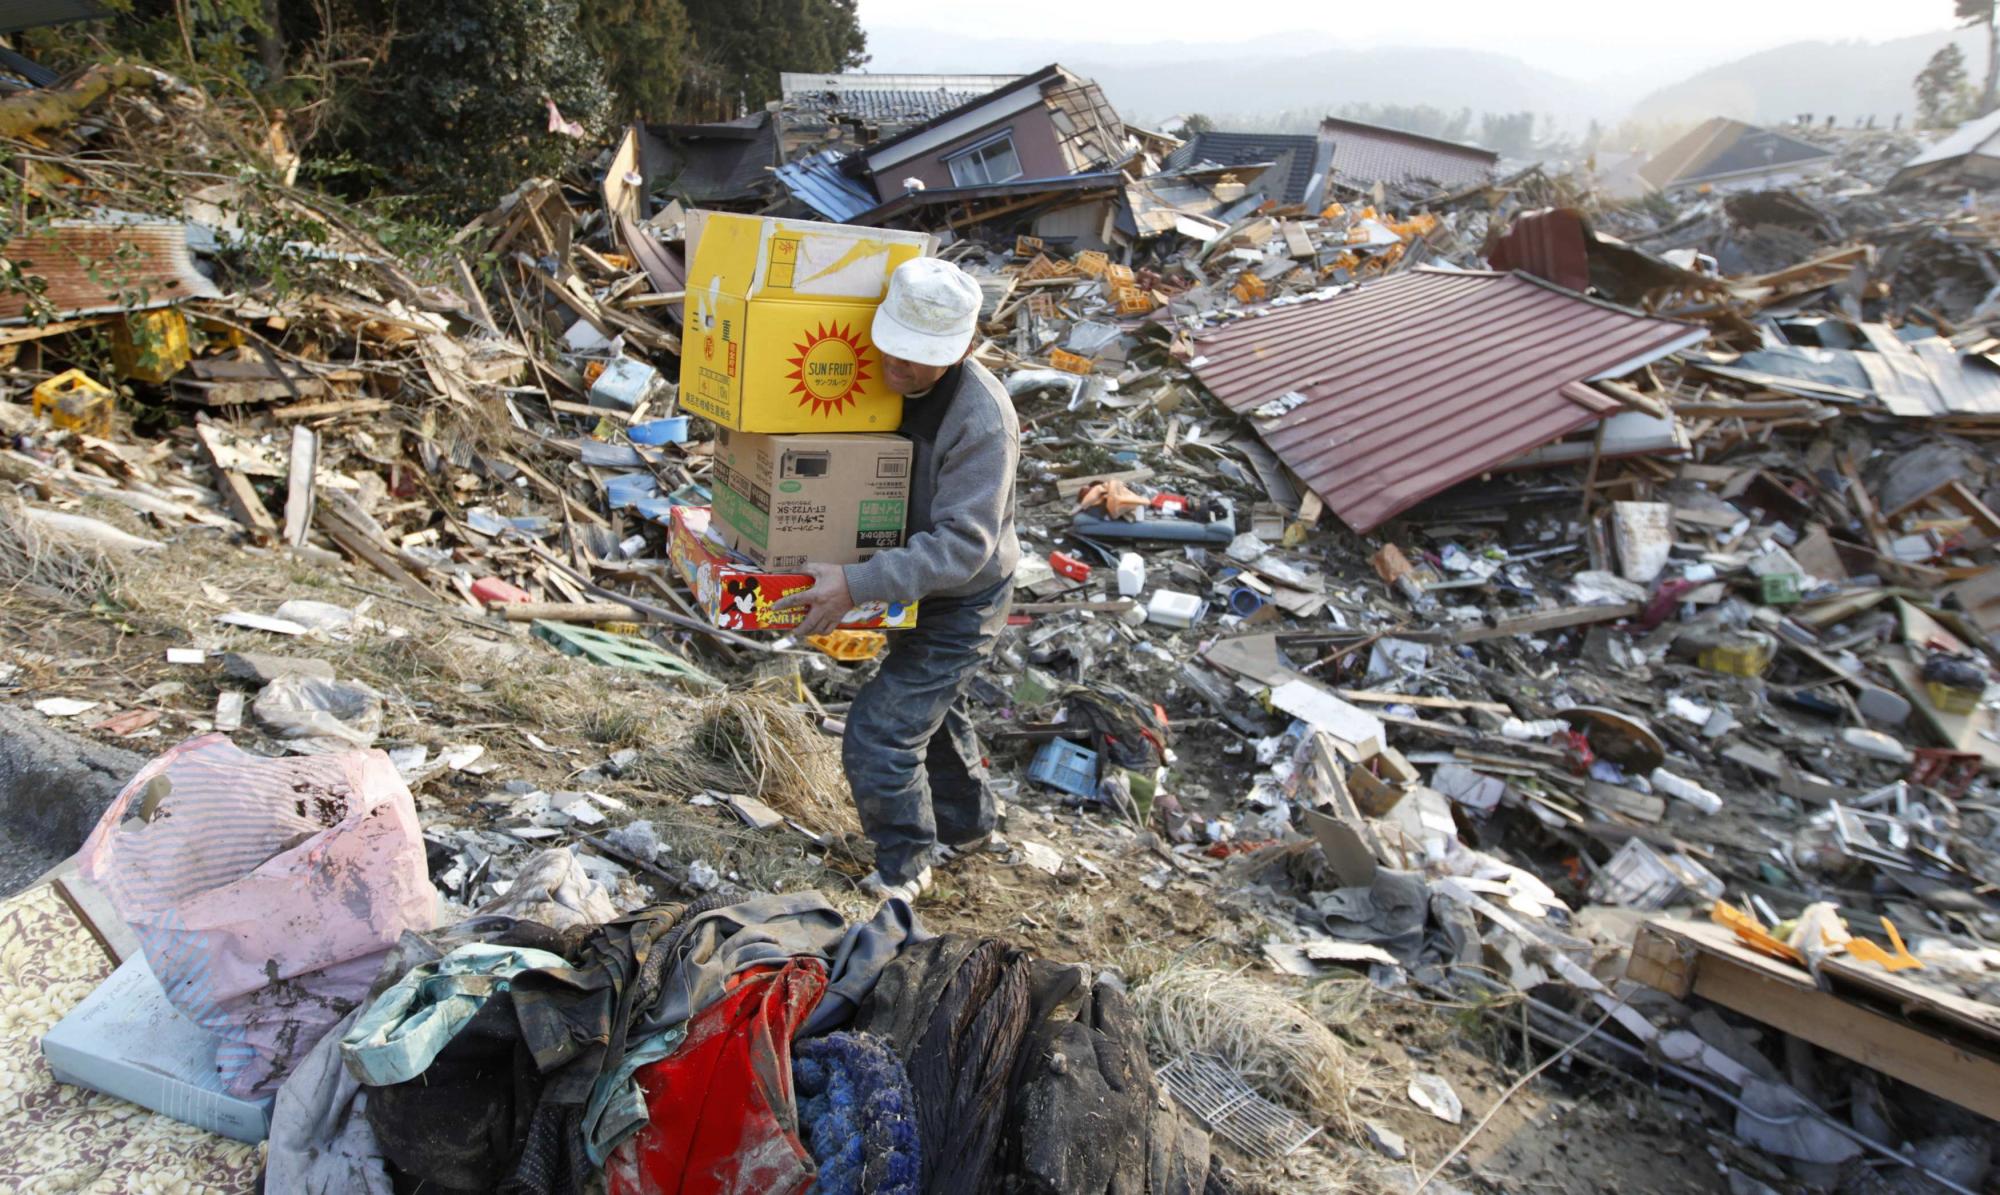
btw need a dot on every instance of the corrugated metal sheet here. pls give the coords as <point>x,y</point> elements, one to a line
<point>1548,244</point>
<point>1293,155</point>
<point>816,181</point>
<point>1927,378</point>
<point>1363,155</point>
<point>1417,382</point>
<point>91,268</point>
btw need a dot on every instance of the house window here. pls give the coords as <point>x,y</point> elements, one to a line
<point>991,161</point>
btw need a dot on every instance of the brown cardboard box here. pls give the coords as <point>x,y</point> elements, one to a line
<point>783,501</point>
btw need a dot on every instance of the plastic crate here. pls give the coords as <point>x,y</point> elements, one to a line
<point>1066,767</point>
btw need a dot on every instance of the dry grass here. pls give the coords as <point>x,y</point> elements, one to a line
<point>41,568</point>
<point>1276,1043</point>
<point>758,742</point>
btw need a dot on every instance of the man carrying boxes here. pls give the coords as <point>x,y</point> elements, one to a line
<point>857,484</point>
<point>911,757</point>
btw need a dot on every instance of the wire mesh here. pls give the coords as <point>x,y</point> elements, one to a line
<point>1220,1098</point>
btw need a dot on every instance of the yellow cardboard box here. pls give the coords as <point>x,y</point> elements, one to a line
<point>779,324</point>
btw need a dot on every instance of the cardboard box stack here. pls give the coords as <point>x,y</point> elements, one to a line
<point>778,352</point>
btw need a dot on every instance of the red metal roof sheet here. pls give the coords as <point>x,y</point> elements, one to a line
<point>1416,382</point>
<point>1548,244</point>
<point>93,267</point>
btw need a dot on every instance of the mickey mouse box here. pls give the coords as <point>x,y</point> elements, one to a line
<point>736,597</point>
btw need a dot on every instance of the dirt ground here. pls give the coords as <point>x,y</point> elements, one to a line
<point>544,718</point>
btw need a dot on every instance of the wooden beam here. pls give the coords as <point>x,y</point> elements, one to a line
<point>237,493</point>
<point>357,543</point>
<point>1549,620</point>
<point>1118,606</point>
<point>1683,958</point>
<point>1070,487</point>
<point>299,485</point>
<point>564,611</point>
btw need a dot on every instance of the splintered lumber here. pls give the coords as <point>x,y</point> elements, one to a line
<point>299,485</point>
<point>1115,606</point>
<point>237,493</point>
<point>1070,487</point>
<point>1944,1044</point>
<point>356,542</point>
<point>564,611</point>
<point>1549,620</point>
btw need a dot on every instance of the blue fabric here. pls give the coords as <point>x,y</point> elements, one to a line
<point>914,786</point>
<point>617,1108</point>
<point>403,1031</point>
<point>857,1116</point>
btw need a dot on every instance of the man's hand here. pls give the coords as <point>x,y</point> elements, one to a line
<point>826,603</point>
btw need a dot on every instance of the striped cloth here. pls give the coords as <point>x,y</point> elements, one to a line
<point>263,891</point>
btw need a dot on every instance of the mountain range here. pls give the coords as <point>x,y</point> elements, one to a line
<point>1290,77</point>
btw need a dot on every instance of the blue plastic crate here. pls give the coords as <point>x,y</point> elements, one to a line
<point>1064,766</point>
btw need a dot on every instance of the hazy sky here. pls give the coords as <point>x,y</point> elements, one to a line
<point>1596,40</point>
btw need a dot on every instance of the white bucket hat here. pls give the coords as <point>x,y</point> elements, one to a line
<point>929,314</point>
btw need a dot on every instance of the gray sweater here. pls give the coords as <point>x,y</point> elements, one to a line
<point>960,535</point>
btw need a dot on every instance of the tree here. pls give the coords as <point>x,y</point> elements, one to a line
<point>458,113</point>
<point>1510,135</point>
<point>1980,12</point>
<point>1942,93</point>
<point>643,46</point>
<point>1196,122</point>
<point>741,46</point>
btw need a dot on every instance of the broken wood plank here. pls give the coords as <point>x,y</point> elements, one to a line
<point>299,485</point>
<point>1370,696</point>
<point>326,410</point>
<point>1297,243</point>
<point>243,393</point>
<point>1549,620</point>
<point>237,493</point>
<point>1684,958</point>
<point>1116,606</point>
<point>1070,487</point>
<point>564,611</point>
<point>356,542</point>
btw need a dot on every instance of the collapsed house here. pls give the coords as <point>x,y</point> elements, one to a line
<point>1726,155</point>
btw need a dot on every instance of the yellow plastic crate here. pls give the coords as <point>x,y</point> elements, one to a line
<point>1249,288</point>
<point>1747,659</point>
<point>1951,699</point>
<point>1119,276</point>
<point>1070,362</point>
<point>850,646</point>
<point>75,401</point>
<point>1093,263</point>
<point>150,346</point>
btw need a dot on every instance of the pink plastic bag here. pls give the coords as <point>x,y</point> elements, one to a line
<point>263,891</point>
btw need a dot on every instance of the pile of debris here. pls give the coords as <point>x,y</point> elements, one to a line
<point>1443,589</point>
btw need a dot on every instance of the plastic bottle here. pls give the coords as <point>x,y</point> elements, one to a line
<point>1686,790</point>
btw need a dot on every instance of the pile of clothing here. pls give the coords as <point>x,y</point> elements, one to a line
<point>765,1045</point>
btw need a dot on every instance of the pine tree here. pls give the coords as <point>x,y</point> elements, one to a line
<point>643,46</point>
<point>741,46</point>
<point>1942,94</point>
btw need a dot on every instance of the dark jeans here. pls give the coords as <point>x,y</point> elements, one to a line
<point>913,786</point>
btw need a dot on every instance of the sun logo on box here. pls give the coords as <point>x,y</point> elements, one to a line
<point>830,368</point>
